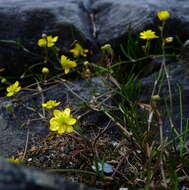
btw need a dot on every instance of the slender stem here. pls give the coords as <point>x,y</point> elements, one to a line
<point>161,125</point>
<point>136,60</point>
<point>157,80</point>
<point>26,145</point>
<point>147,47</point>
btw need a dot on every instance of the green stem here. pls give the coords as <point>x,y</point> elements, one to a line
<point>138,60</point>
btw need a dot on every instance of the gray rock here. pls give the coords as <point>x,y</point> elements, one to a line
<point>115,19</point>
<point>21,115</point>
<point>88,21</point>
<point>184,58</point>
<point>16,177</point>
<point>26,21</point>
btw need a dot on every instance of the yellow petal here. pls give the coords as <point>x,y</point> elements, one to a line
<point>72,50</point>
<point>57,113</point>
<point>69,129</point>
<point>50,44</point>
<point>9,88</point>
<point>72,64</point>
<point>55,39</point>
<point>53,125</point>
<point>44,105</point>
<point>70,121</point>
<point>10,94</point>
<point>18,89</point>
<point>56,103</point>
<point>67,112</point>
<point>16,84</point>
<point>66,70</point>
<point>49,38</point>
<point>42,43</point>
<point>63,59</point>
<point>75,52</point>
<point>62,129</point>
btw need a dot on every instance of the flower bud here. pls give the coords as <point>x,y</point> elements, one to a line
<point>44,35</point>
<point>88,71</point>
<point>45,71</point>
<point>3,80</point>
<point>86,63</point>
<point>107,49</point>
<point>168,40</point>
<point>9,107</point>
<point>163,15</point>
<point>155,98</point>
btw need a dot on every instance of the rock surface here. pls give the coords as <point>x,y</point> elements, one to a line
<point>16,177</point>
<point>114,19</point>
<point>22,116</point>
<point>88,21</point>
<point>27,20</point>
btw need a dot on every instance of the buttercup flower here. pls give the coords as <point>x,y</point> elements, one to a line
<point>14,160</point>
<point>67,64</point>
<point>62,121</point>
<point>163,15</point>
<point>13,89</point>
<point>47,41</point>
<point>50,104</point>
<point>148,35</point>
<point>78,50</point>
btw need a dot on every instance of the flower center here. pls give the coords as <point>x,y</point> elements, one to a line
<point>62,121</point>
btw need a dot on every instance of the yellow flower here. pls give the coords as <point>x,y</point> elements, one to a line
<point>13,89</point>
<point>67,64</point>
<point>47,41</point>
<point>78,50</point>
<point>62,121</point>
<point>163,15</point>
<point>14,160</point>
<point>148,35</point>
<point>50,104</point>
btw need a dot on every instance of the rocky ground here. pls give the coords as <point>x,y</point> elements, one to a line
<point>93,23</point>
